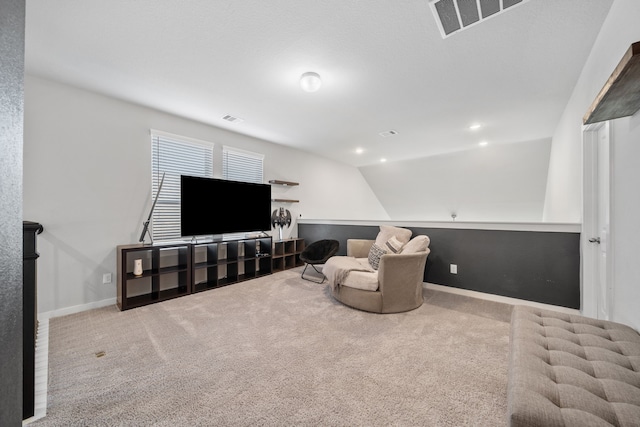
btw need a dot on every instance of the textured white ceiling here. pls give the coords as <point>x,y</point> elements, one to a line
<point>384,66</point>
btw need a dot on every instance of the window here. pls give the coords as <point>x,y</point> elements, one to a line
<point>240,165</point>
<point>173,156</point>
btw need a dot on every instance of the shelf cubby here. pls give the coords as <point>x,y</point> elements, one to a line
<point>286,254</point>
<point>166,273</point>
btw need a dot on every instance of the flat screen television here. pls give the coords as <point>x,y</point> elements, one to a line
<point>217,206</point>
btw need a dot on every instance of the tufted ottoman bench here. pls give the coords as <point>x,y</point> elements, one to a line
<point>570,370</point>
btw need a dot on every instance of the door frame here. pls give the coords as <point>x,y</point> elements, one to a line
<point>592,287</point>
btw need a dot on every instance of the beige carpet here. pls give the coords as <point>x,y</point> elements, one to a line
<point>279,351</point>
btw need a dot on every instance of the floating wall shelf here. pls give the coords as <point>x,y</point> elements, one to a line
<point>620,96</point>
<point>285,200</point>
<point>285,183</point>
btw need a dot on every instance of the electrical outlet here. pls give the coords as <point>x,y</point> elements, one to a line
<point>106,278</point>
<point>453,268</point>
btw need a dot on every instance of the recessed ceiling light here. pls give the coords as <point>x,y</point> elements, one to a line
<point>483,143</point>
<point>475,126</point>
<point>388,133</point>
<point>382,160</point>
<point>359,150</point>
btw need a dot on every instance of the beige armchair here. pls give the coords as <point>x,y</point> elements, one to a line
<point>400,277</point>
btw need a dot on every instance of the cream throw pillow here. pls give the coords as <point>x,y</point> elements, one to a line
<point>388,231</point>
<point>417,244</point>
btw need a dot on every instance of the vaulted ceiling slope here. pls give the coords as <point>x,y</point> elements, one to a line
<point>384,65</point>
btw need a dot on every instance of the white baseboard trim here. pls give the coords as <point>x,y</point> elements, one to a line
<point>76,309</point>
<point>498,298</point>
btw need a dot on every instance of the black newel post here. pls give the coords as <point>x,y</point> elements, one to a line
<point>30,313</point>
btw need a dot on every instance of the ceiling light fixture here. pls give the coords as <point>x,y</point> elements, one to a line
<point>359,150</point>
<point>483,143</point>
<point>382,160</point>
<point>475,126</point>
<point>310,81</point>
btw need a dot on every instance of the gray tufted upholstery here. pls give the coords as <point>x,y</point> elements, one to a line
<point>570,370</point>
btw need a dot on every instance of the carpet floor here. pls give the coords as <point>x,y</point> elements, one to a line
<point>279,350</point>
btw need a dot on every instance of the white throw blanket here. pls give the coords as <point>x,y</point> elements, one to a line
<point>337,268</point>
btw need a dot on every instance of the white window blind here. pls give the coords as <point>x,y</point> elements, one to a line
<point>240,165</point>
<point>174,156</point>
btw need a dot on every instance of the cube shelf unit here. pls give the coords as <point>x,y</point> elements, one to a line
<point>174,270</point>
<point>166,274</point>
<point>286,254</point>
<point>217,264</point>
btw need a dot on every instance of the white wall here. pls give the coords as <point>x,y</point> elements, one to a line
<point>563,203</point>
<point>87,178</point>
<point>498,183</point>
<point>563,196</point>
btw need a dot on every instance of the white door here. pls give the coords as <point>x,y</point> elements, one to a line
<point>597,283</point>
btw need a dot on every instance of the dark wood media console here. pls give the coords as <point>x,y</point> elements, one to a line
<point>178,269</point>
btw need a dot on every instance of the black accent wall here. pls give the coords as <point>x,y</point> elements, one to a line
<point>530,265</point>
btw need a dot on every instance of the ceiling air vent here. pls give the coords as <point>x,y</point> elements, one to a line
<point>232,119</point>
<point>455,15</point>
<point>388,133</point>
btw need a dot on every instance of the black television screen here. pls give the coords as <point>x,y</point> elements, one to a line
<point>217,206</point>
